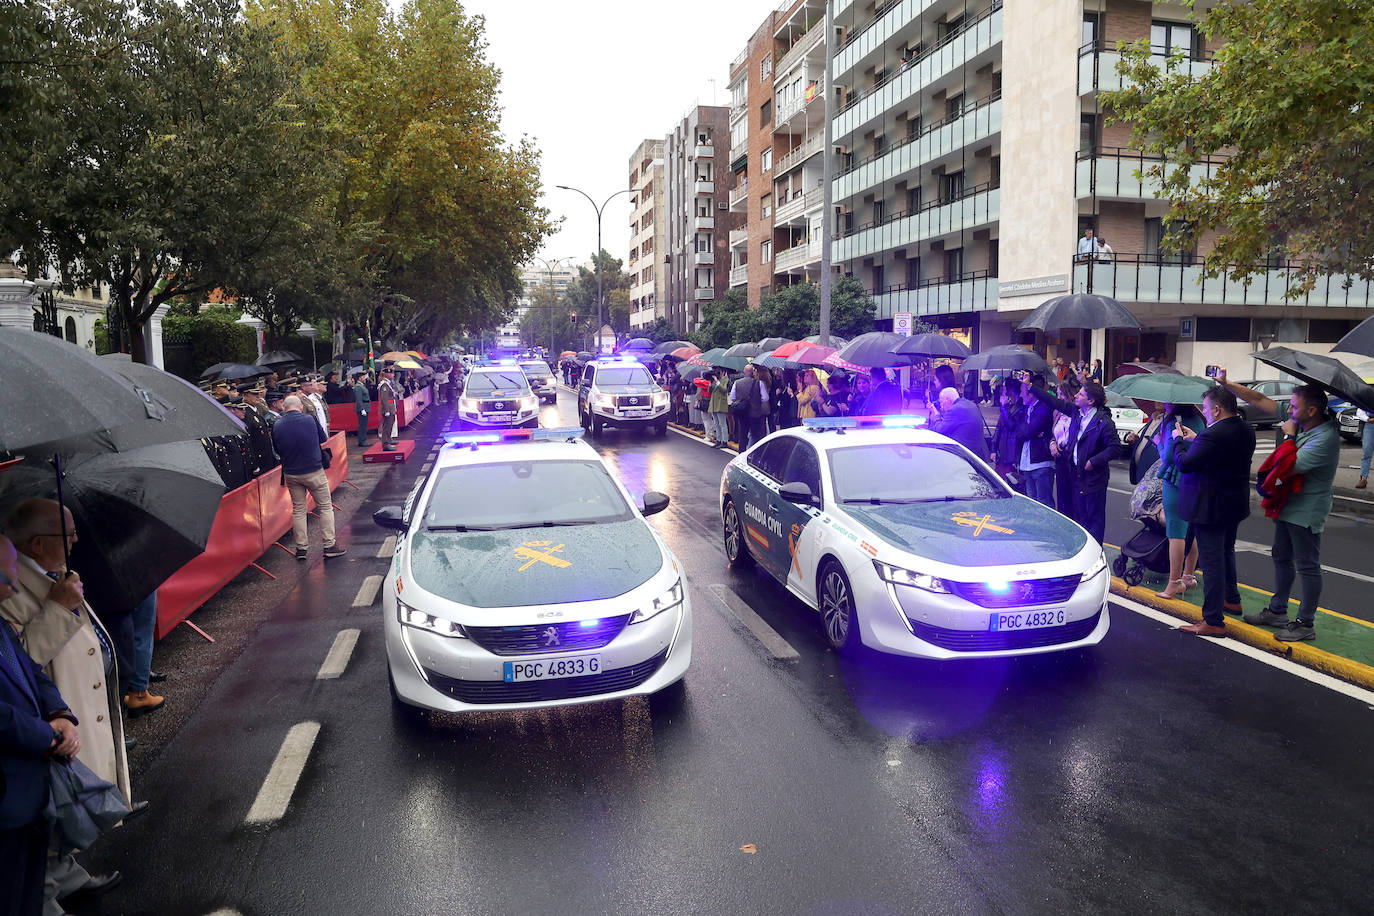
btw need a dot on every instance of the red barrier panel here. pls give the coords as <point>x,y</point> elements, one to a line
<point>343,418</point>
<point>249,520</point>
<point>412,405</point>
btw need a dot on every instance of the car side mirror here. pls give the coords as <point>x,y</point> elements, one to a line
<point>654,502</point>
<point>797,492</point>
<point>390,517</point>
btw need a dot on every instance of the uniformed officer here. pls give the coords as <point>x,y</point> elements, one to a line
<point>259,420</point>
<point>389,394</point>
<point>362,405</point>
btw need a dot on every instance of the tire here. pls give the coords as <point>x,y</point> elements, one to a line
<point>1135,575</point>
<point>582,419</point>
<point>661,429</point>
<point>839,617</point>
<point>1119,567</point>
<point>736,550</point>
<point>596,426</point>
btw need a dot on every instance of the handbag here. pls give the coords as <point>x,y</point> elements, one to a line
<point>81,805</point>
<point>326,456</point>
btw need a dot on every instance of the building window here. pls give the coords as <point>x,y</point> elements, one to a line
<point>954,106</point>
<point>1087,133</point>
<point>913,199</point>
<point>765,252</point>
<point>766,113</point>
<point>913,272</point>
<point>1170,37</point>
<point>879,211</point>
<point>70,329</point>
<point>766,159</point>
<point>766,67</point>
<point>766,206</point>
<point>1090,23</point>
<point>951,186</point>
<point>992,257</point>
<point>954,263</point>
<point>879,281</point>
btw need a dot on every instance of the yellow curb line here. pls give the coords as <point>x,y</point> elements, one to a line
<point>1308,656</point>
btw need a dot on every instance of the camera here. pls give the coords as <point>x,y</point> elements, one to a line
<point>1213,371</point>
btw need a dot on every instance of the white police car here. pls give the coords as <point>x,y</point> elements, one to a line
<point>907,543</point>
<point>496,396</point>
<point>524,576</point>
<point>542,380</point>
<point>619,391</point>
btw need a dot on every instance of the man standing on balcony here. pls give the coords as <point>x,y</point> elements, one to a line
<point>1088,248</point>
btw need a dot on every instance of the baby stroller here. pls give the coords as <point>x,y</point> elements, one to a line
<point>1148,548</point>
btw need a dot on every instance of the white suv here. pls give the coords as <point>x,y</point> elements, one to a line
<point>619,391</point>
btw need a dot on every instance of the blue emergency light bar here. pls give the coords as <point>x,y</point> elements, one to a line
<point>897,422</point>
<point>619,358</point>
<point>472,440</point>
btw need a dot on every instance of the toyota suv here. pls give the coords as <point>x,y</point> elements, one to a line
<point>497,396</point>
<point>619,391</point>
<point>542,379</point>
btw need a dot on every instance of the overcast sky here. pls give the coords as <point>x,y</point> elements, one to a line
<point>590,80</point>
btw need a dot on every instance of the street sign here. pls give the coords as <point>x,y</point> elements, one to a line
<point>901,323</point>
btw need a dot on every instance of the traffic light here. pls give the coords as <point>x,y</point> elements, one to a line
<point>572,316</point>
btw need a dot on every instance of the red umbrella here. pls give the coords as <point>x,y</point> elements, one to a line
<point>684,353</point>
<point>813,355</point>
<point>786,350</point>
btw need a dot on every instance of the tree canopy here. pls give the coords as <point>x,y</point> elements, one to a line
<point>792,311</point>
<point>1285,109</point>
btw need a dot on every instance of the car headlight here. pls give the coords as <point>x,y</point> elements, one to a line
<point>900,576</point>
<point>529,403</point>
<point>666,601</point>
<point>410,617</point>
<point>604,400</point>
<point>1097,567</point>
<point>548,381</point>
<point>467,403</point>
<point>660,399</point>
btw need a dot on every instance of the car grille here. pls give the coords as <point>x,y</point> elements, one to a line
<point>634,400</point>
<point>511,404</point>
<point>536,639</point>
<point>1018,594</point>
<point>985,641</point>
<point>537,691</point>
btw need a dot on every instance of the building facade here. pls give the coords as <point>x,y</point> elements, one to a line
<point>645,263</point>
<point>696,254</point>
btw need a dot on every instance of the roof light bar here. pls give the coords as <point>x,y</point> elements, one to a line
<point>465,440</point>
<point>897,422</point>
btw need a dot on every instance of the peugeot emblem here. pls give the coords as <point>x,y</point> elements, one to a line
<point>550,636</point>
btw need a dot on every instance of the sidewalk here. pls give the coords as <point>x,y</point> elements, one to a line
<point>1344,646</point>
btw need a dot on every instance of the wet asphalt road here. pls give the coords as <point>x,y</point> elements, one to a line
<point>1155,773</point>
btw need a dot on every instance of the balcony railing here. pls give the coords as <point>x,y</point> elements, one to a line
<point>705,151</point>
<point>800,47</point>
<point>797,257</point>
<point>738,237</point>
<point>705,187</point>
<point>1097,66</point>
<point>977,206</point>
<point>800,203</point>
<point>814,92</point>
<point>739,151</point>
<point>1120,172</point>
<point>740,192</point>
<point>704,257</point>
<point>739,276</point>
<point>972,291</point>
<point>808,148</point>
<point>1178,279</point>
<point>701,223</point>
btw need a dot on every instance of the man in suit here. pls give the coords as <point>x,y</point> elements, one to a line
<point>1034,432</point>
<point>1093,442</point>
<point>389,394</point>
<point>885,398</point>
<point>59,631</point>
<point>34,723</point>
<point>1214,495</point>
<point>962,421</point>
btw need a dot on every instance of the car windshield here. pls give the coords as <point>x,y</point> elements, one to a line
<point>623,375</point>
<point>908,473</point>
<point>512,381</point>
<point>524,494</point>
<point>537,370</point>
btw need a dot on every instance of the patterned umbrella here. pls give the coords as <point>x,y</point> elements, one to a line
<point>686,352</point>
<point>813,355</point>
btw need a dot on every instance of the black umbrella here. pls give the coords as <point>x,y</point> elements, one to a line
<point>237,372</point>
<point>210,373</point>
<point>1359,340</point>
<point>1008,358</point>
<point>637,343</point>
<point>140,515</point>
<point>54,394</point>
<point>585,356</point>
<point>746,350</point>
<point>934,346</point>
<point>668,346</point>
<point>191,411</point>
<point>279,358</point>
<point>1137,367</point>
<point>1331,374</point>
<point>873,349</point>
<point>1080,311</point>
<point>835,341</point>
<point>688,373</point>
<point>769,344</point>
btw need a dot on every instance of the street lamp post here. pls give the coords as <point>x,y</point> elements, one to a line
<point>553,297</point>
<point>563,187</point>
<point>308,330</point>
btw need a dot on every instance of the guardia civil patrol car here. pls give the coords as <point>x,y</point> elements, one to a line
<point>905,542</point>
<point>526,576</point>
<point>496,396</point>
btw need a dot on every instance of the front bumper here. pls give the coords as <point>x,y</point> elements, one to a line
<point>617,416</point>
<point>437,672</point>
<point>905,620</point>
<point>476,419</point>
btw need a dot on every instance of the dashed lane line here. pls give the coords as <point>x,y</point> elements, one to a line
<point>1268,658</point>
<point>367,592</point>
<point>387,548</point>
<point>277,788</point>
<point>337,660</point>
<point>778,647</point>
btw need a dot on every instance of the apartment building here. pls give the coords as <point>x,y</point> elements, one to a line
<point>972,152</point>
<point>645,263</point>
<point>696,215</point>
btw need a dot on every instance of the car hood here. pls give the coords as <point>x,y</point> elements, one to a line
<point>528,566</point>
<point>984,532</point>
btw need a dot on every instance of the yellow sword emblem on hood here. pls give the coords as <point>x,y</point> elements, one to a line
<point>541,552</point>
<point>979,525</point>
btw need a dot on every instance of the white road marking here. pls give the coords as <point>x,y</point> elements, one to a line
<point>339,654</point>
<point>778,647</point>
<point>367,592</point>
<point>1263,550</point>
<point>225,912</point>
<point>388,548</point>
<point>275,794</point>
<point>1275,661</point>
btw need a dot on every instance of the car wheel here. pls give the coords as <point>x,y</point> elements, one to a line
<point>582,419</point>
<point>736,551</point>
<point>662,429</point>
<point>838,614</point>
<point>596,426</point>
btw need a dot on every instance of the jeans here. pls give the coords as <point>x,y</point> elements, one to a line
<point>1040,485</point>
<point>720,426</point>
<point>1367,440</point>
<point>1216,545</point>
<point>1296,551</point>
<point>145,621</point>
<point>313,484</point>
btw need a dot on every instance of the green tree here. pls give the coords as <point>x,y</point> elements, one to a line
<point>661,330</point>
<point>724,321</point>
<point>164,151</point>
<point>852,309</point>
<point>615,287</point>
<point>1285,104</point>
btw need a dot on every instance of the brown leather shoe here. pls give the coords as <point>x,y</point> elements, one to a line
<point>1204,629</point>
<point>1364,482</point>
<point>1230,608</point>
<point>139,702</point>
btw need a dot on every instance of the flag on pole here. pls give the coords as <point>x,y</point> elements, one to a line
<point>370,363</point>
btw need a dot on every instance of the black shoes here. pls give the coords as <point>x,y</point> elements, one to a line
<point>335,551</point>
<point>156,677</point>
<point>302,553</point>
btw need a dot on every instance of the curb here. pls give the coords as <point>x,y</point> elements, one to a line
<point>1353,672</point>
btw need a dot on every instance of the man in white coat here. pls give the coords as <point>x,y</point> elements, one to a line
<point>59,631</point>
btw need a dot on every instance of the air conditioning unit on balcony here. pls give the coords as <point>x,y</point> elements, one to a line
<point>722,205</point>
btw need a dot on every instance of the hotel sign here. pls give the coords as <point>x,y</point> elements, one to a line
<point>1059,283</point>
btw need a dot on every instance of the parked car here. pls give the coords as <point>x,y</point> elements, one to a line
<point>1276,390</point>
